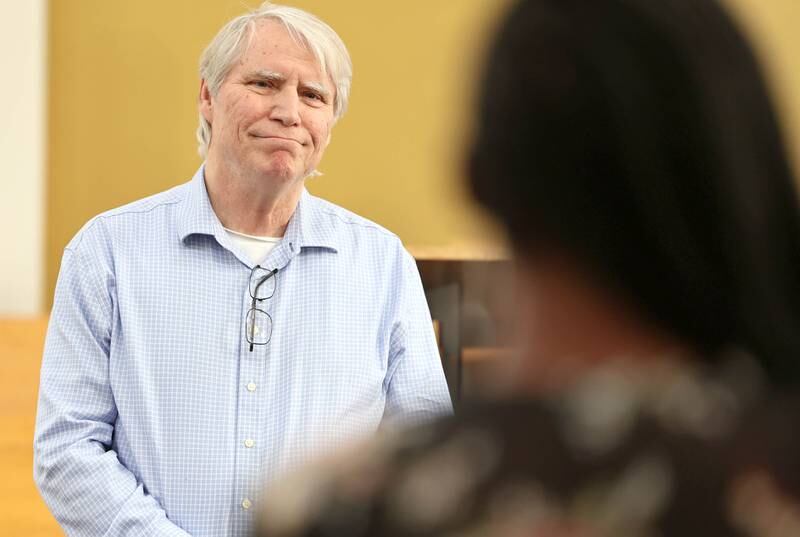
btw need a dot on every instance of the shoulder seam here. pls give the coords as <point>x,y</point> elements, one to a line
<point>365,223</point>
<point>113,213</point>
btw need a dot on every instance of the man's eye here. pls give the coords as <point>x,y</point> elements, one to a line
<point>262,83</point>
<point>314,96</point>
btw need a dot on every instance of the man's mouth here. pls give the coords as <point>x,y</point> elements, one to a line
<point>277,139</point>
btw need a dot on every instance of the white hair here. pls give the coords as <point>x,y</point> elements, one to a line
<point>232,41</point>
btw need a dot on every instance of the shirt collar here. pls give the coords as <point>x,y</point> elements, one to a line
<point>307,228</point>
<point>198,217</point>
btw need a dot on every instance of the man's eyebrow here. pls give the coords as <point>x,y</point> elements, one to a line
<point>318,87</point>
<point>269,75</point>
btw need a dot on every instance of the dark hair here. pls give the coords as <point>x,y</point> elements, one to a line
<point>637,136</point>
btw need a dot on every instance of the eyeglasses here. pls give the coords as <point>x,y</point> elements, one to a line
<point>258,326</point>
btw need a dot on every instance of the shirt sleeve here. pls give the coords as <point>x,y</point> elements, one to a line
<point>84,484</point>
<point>416,389</point>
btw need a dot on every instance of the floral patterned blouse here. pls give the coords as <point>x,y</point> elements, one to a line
<point>667,452</point>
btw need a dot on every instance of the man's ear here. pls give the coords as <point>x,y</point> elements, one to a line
<point>204,102</point>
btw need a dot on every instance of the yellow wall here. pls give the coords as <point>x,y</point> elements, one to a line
<point>123,111</point>
<point>123,83</point>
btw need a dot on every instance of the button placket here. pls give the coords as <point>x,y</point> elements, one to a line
<point>251,370</point>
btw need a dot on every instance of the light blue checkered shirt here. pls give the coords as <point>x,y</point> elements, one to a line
<point>154,416</point>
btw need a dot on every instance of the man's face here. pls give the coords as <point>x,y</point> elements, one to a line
<point>273,114</point>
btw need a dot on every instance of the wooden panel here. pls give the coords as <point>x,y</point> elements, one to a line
<point>487,354</point>
<point>22,511</point>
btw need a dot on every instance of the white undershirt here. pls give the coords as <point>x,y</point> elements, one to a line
<point>255,247</point>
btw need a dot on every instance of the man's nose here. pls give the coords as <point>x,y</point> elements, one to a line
<point>286,107</point>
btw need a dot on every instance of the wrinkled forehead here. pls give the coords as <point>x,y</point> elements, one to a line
<point>270,30</point>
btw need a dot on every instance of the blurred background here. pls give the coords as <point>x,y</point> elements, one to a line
<point>100,108</point>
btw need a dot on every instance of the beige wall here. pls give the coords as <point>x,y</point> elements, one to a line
<point>23,32</point>
<point>123,86</point>
<point>123,113</point>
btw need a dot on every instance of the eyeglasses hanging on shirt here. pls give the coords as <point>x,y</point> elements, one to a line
<point>258,326</point>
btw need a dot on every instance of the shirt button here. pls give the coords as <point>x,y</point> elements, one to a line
<point>246,504</point>
<point>249,443</point>
<point>251,386</point>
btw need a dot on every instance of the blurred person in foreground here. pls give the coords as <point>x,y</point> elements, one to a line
<point>210,336</point>
<point>631,150</point>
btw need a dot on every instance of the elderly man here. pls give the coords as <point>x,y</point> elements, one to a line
<point>213,335</point>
